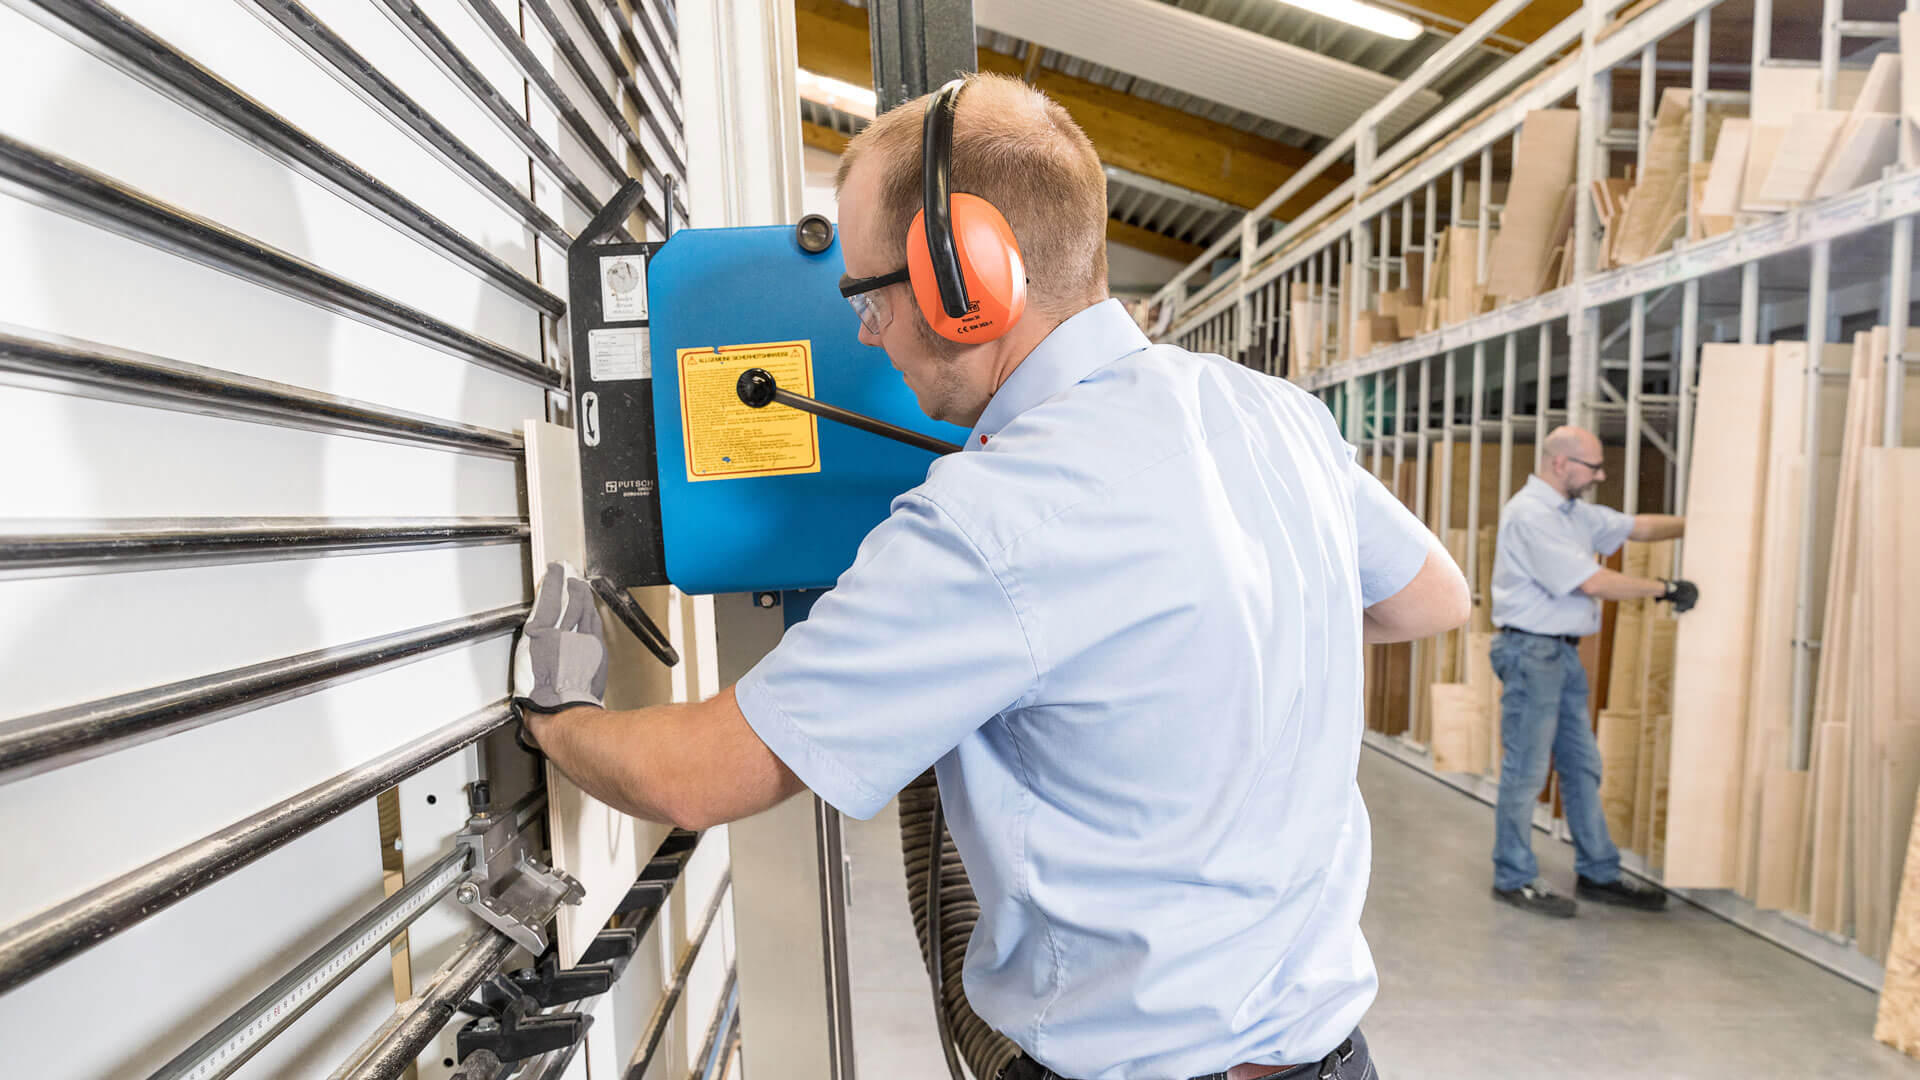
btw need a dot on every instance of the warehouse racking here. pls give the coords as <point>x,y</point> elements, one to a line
<point>1614,350</point>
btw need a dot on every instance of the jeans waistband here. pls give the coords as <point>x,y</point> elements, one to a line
<point>1571,639</point>
<point>1349,1061</point>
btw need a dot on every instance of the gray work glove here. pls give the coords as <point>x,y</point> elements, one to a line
<point>560,660</point>
<point>1681,594</point>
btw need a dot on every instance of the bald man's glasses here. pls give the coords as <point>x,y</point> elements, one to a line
<point>1596,466</point>
<point>863,293</point>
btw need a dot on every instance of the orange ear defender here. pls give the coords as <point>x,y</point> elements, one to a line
<point>962,258</point>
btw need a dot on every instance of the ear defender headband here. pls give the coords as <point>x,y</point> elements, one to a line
<point>962,259</point>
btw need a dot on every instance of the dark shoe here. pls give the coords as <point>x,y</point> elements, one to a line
<point>1539,900</point>
<point>1621,893</point>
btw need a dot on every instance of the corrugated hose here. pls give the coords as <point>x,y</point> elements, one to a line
<point>943,929</point>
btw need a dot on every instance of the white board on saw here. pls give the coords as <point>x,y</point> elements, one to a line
<point>598,845</point>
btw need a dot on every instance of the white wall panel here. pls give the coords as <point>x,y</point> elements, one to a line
<point>62,275</point>
<point>242,50</point>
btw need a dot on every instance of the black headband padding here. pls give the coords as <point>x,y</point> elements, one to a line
<point>936,164</point>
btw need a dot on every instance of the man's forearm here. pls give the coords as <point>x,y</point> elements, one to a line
<point>613,755</point>
<point>1613,585</point>
<point>1648,527</point>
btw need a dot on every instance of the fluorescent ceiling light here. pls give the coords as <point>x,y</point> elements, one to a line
<point>855,100</point>
<point>1364,16</point>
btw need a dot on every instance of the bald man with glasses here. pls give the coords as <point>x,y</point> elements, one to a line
<point>1547,589</point>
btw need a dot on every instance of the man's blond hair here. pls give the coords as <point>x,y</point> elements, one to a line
<point>1016,148</point>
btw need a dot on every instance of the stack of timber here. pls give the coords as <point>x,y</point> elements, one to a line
<point>1654,212</point>
<point>1538,218</point>
<point>1789,150</point>
<point>1636,724</point>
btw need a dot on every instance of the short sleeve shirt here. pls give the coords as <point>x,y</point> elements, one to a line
<point>1544,553</point>
<point>1124,626</point>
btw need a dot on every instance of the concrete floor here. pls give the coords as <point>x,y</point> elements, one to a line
<point>1471,988</point>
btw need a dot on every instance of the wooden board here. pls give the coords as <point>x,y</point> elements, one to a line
<point>1662,790</point>
<point>1898,1022</point>
<point>1542,170</point>
<point>1619,740</point>
<point>1870,143</point>
<point>1829,795</point>
<point>1714,644</point>
<point>1722,194</point>
<point>1802,156</point>
<point>1481,679</point>
<point>601,847</point>
<point>1783,793</point>
<point>1888,716</point>
<point>1455,711</point>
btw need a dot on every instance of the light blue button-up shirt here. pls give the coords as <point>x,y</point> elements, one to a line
<point>1544,553</point>
<point>1126,625</point>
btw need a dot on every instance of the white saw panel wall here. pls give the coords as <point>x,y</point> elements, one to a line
<point>73,639</point>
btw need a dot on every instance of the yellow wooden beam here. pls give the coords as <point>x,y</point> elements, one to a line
<point>1534,20</point>
<point>821,137</point>
<point>1147,240</point>
<point>1129,132</point>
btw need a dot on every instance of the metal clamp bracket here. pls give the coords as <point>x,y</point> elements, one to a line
<point>508,887</point>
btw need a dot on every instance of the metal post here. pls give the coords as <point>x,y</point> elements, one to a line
<point>1636,376</point>
<point>1818,278</point>
<point>917,46</point>
<point>1445,509</point>
<point>1429,224</point>
<point>1645,127</point>
<point>1830,16</point>
<point>1683,398</point>
<point>1385,254</point>
<point>1762,33</point>
<point>1543,375</point>
<point>1406,242</point>
<point>1350,281</point>
<point>1399,424</point>
<point>1750,304</point>
<point>1420,445</point>
<point>1474,468</point>
<point>1379,420</point>
<point>1899,298</point>
<point>1325,327</point>
<point>1508,373</point>
<point>1483,227</point>
<point>1697,105</point>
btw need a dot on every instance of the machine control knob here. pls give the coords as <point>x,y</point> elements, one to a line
<point>756,387</point>
<point>814,234</point>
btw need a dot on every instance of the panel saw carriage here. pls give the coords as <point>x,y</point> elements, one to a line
<point>702,367</point>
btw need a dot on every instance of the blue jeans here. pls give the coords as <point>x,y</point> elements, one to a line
<point>1543,716</point>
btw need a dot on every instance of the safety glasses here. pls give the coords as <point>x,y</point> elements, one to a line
<point>863,293</point>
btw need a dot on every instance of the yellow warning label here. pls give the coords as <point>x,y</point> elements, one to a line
<point>726,439</point>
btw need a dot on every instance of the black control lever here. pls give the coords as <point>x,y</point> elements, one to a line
<point>757,390</point>
<point>634,618</point>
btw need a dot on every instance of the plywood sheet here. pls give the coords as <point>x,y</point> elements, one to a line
<point>1783,793</point>
<point>1714,646</point>
<point>1456,717</point>
<point>1830,798</point>
<point>1870,143</point>
<point>598,845</point>
<point>1543,169</point>
<point>1898,1023</point>
<point>1619,739</point>
<point>1802,157</point>
<point>1722,195</point>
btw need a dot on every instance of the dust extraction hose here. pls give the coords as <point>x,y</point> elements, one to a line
<point>943,929</point>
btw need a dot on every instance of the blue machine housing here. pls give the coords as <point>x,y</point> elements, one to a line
<point>717,287</point>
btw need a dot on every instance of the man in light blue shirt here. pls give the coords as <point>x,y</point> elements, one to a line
<point>1547,590</point>
<point>1125,626</point>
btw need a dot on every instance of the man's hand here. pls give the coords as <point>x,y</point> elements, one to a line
<point>560,660</point>
<point>1681,594</point>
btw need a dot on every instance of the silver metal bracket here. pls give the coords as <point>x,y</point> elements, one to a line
<point>507,886</point>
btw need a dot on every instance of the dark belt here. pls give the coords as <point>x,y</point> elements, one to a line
<point>1571,639</point>
<point>1327,1068</point>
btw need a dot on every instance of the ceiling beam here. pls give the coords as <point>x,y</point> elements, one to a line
<point>1128,131</point>
<point>1155,243</point>
<point>1533,20</point>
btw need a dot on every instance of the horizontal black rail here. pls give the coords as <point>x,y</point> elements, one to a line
<point>69,928</point>
<point>550,21</point>
<point>44,361</point>
<point>42,742</point>
<point>147,543</point>
<point>356,73</point>
<point>670,1000</point>
<point>507,37</point>
<point>623,24</point>
<point>73,189</point>
<point>438,47</point>
<point>130,47</point>
<point>610,53</point>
